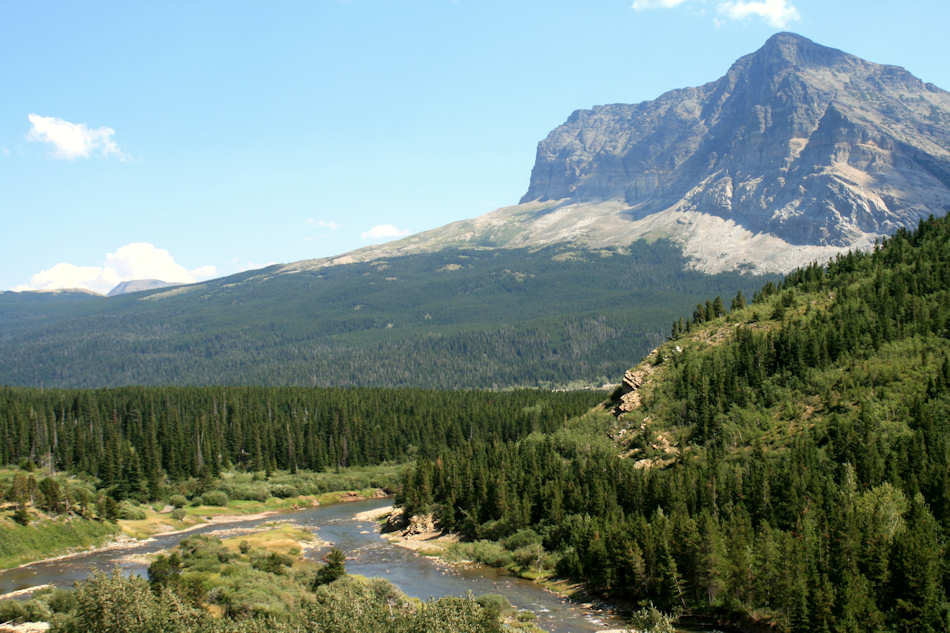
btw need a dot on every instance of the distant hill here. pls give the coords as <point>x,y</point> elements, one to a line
<point>457,318</point>
<point>138,285</point>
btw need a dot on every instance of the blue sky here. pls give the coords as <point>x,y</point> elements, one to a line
<point>188,140</point>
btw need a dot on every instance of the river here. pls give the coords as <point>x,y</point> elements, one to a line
<point>367,553</point>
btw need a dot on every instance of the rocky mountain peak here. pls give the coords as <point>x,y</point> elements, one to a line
<point>797,153</point>
<point>799,141</point>
<point>138,285</point>
<point>791,49</point>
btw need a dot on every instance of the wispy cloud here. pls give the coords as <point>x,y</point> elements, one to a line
<point>73,140</point>
<point>777,13</point>
<point>641,5</point>
<point>137,260</point>
<point>384,232</point>
<point>324,224</point>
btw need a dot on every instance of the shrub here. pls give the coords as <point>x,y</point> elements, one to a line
<point>61,600</point>
<point>249,492</point>
<point>494,604</point>
<point>332,569</point>
<point>485,552</point>
<point>283,491</point>
<point>273,563</point>
<point>178,501</point>
<point>214,498</point>
<point>178,514</point>
<point>130,512</point>
<point>521,538</point>
<point>651,620</point>
<point>12,611</point>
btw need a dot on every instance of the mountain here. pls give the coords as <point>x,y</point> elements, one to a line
<point>138,285</point>
<point>632,215</point>
<point>797,153</point>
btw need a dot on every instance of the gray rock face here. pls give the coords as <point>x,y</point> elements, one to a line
<point>138,285</point>
<point>797,140</point>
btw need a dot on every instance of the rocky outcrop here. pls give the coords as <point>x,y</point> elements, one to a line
<point>630,390</point>
<point>396,521</point>
<point>416,526</point>
<point>797,140</point>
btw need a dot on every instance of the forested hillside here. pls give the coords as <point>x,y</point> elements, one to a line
<point>135,438</point>
<point>458,319</point>
<point>787,461</point>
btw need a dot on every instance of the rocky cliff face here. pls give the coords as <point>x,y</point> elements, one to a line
<point>138,285</point>
<point>797,140</point>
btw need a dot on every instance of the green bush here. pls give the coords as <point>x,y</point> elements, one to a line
<point>521,538</point>
<point>496,605</point>
<point>272,563</point>
<point>130,512</point>
<point>485,552</point>
<point>178,501</point>
<point>61,600</point>
<point>651,620</point>
<point>12,611</point>
<point>282,491</point>
<point>214,498</point>
<point>37,611</point>
<point>333,568</point>
<point>248,492</point>
<point>178,514</point>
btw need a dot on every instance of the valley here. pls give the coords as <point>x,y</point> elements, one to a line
<point>698,377</point>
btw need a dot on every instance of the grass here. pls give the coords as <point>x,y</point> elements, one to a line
<point>48,536</point>
<point>281,539</point>
<point>45,538</point>
<point>158,522</point>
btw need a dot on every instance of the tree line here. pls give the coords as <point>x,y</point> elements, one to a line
<point>135,438</point>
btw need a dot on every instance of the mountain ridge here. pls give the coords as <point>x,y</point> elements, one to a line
<point>799,152</point>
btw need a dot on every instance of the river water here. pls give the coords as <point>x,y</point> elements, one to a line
<point>367,553</point>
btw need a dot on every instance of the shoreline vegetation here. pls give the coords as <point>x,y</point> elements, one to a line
<point>249,582</point>
<point>420,535</point>
<point>126,539</point>
<point>38,529</point>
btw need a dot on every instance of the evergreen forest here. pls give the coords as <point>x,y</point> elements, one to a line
<point>134,440</point>
<point>785,462</point>
<point>554,317</point>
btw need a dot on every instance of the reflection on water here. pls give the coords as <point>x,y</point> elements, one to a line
<point>367,554</point>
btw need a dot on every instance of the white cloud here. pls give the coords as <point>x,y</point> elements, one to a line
<point>640,5</point>
<point>238,267</point>
<point>384,232</point>
<point>777,13</point>
<point>138,260</point>
<point>324,224</point>
<point>72,140</point>
<point>204,272</point>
